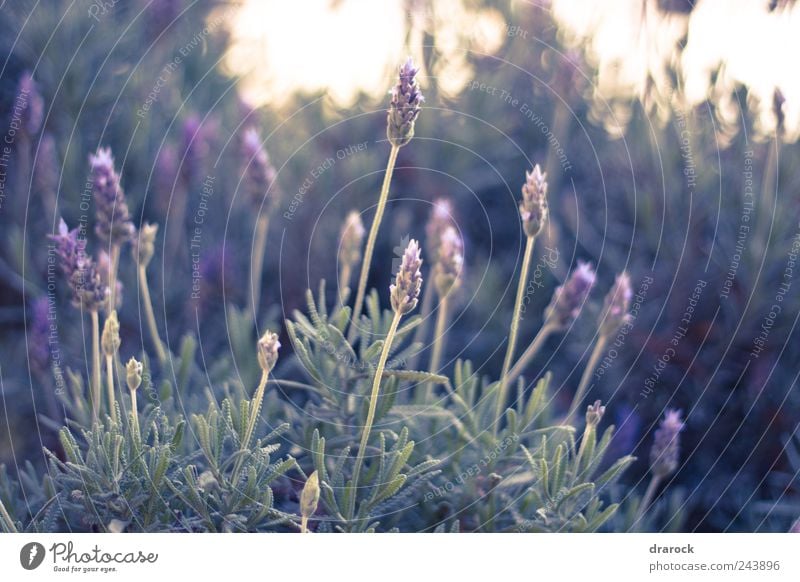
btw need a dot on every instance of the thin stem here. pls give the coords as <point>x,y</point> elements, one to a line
<point>373,403</point>
<point>428,295</point>
<point>438,345</point>
<point>112,402</point>
<point>580,393</point>
<point>150,315</point>
<point>530,353</point>
<point>7,518</point>
<point>255,410</point>
<point>257,264</point>
<point>344,281</point>
<point>512,334</point>
<point>303,524</point>
<point>655,481</point>
<point>112,278</point>
<point>137,437</point>
<point>373,235</point>
<point>96,389</point>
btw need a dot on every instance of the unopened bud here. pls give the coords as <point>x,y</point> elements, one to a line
<point>133,374</point>
<point>309,498</point>
<point>594,414</point>
<point>533,207</point>
<point>268,347</point>
<point>110,340</point>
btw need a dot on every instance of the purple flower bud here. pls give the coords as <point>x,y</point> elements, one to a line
<point>441,218</point>
<point>352,237</point>
<point>259,174</point>
<point>569,298</point>
<point>46,169</point>
<point>666,444</point>
<point>88,291</point>
<point>30,104</point>
<point>450,262</point>
<point>408,282</point>
<point>616,306</point>
<point>114,223</point>
<point>405,105</point>
<point>533,209</point>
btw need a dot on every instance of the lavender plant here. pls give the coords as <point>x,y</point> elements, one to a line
<point>335,435</point>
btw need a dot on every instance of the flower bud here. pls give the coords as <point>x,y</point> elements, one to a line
<point>352,237</point>
<point>617,304</point>
<point>405,106</point>
<point>594,414</point>
<point>145,246</point>
<point>268,347</point>
<point>533,208</point>
<point>441,218</point>
<point>569,298</point>
<point>666,444</point>
<point>408,282</point>
<point>133,375</point>
<point>110,340</point>
<point>447,273</point>
<point>309,498</point>
<point>114,224</point>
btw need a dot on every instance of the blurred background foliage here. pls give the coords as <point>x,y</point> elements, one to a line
<point>647,173</point>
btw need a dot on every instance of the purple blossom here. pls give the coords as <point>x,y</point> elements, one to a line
<point>616,306</point>
<point>88,290</point>
<point>405,105</point>
<point>569,298</point>
<point>114,225</point>
<point>450,262</point>
<point>533,208</point>
<point>664,454</point>
<point>441,218</point>
<point>30,103</point>
<point>408,282</point>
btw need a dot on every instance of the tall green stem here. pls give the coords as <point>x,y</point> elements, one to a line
<point>150,315</point>
<point>421,333</point>
<point>531,351</point>
<point>257,264</point>
<point>252,418</point>
<point>344,282</point>
<point>512,334</point>
<point>96,389</point>
<point>438,346</point>
<point>373,235</point>
<point>655,481</point>
<point>580,394</point>
<point>373,403</point>
<point>112,401</point>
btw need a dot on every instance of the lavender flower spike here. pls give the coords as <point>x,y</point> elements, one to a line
<point>259,173</point>
<point>617,304</point>
<point>408,282</point>
<point>268,347</point>
<point>450,261</point>
<point>405,106</point>
<point>533,208</point>
<point>30,101</point>
<point>569,298</point>
<point>114,223</point>
<point>441,219</point>
<point>666,445</point>
<point>82,275</point>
